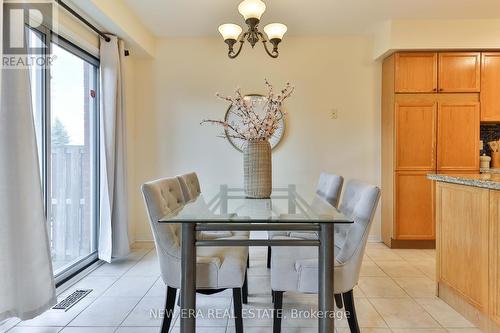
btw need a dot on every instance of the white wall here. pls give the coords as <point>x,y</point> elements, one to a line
<point>465,34</point>
<point>116,17</point>
<point>129,77</point>
<point>175,91</point>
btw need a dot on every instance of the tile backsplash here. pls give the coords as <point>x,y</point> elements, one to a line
<point>489,132</point>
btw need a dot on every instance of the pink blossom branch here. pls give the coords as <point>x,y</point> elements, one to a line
<point>254,126</point>
<point>225,125</point>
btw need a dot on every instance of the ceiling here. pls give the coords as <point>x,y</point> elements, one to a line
<point>178,18</point>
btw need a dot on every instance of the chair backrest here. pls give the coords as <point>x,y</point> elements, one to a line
<point>190,186</point>
<point>163,197</point>
<point>330,187</point>
<point>359,202</point>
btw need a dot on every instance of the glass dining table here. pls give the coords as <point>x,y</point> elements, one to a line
<point>229,210</point>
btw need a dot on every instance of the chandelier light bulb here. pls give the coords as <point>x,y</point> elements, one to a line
<point>230,31</point>
<point>252,9</point>
<point>275,30</point>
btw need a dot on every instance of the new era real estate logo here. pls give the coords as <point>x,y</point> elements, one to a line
<point>22,45</point>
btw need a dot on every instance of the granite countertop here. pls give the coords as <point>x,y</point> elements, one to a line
<point>485,180</point>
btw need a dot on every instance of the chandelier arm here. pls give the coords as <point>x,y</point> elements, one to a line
<point>231,54</point>
<point>274,53</point>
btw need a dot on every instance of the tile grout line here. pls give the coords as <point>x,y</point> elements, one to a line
<point>410,260</point>
<point>95,299</point>
<point>413,299</point>
<point>368,298</point>
<point>128,314</point>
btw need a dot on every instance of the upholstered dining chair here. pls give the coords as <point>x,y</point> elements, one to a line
<point>296,268</point>
<point>190,185</point>
<point>218,268</point>
<point>329,188</point>
<point>191,189</point>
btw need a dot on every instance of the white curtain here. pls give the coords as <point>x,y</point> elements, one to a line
<point>113,233</point>
<point>26,277</point>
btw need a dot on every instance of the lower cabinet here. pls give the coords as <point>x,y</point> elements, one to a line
<point>462,219</point>
<point>414,208</point>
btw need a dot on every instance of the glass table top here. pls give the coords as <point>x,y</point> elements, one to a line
<point>229,205</point>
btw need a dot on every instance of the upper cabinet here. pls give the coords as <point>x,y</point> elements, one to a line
<point>458,133</point>
<point>415,127</point>
<point>490,86</point>
<point>460,72</point>
<point>416,72</point>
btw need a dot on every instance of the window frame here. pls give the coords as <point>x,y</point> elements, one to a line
<point>48,38</point>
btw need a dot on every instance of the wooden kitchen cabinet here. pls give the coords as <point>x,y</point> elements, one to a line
<point>494,251</point>
<point>414,206</point>
<point>468,248</point>
<point>462,216</point>
<point>416,72</point>
<point>458,135</point>
<point>425,130</point>
<point>490,86</point>
<point>459,72</point>
<point>415,127</point>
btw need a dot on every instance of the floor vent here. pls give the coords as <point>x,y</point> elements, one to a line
<point>72,299</point>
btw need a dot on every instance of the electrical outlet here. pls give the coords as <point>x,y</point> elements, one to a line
<point>334,113</point>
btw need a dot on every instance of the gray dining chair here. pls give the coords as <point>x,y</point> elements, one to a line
<point>190,186</point>
<point>329,188</point>
<point>191,189</point>
<point>296,268</point>
<point>218,268</point>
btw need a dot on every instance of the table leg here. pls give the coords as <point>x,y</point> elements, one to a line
<point>188,278</point>
<point>325,279</point>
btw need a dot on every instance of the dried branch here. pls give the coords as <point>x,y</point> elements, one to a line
<point>254,127</point>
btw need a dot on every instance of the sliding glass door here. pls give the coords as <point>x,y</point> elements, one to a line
<point>65,101</point>
<point>73,157</point>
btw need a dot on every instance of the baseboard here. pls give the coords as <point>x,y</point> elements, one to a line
<point>374,239</point>
<point>143,244</point>
<point>412,244</point>
<point>149,244</point>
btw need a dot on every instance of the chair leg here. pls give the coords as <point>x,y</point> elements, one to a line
<point>268,257</point>
<point>272,296</point>
<point>244,289</point>
<point>278,311</point>
<point>338,301</point>
<point>238,316</point>
<point>169,309</point>
<point>351,312</point>
<point>248,261</point>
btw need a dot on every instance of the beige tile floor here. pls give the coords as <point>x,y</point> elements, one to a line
<point>395,294</point>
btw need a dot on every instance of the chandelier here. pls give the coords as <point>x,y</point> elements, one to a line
<point>252,10</point>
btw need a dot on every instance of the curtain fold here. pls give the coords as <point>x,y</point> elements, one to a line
<point>113,229</point>
<point>26,277</point>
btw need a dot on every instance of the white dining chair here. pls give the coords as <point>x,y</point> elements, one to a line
<point>191,189</point>
<point>218,268</point>
<point>329,188</point>
<point>190,185</point>
<point>296,268</point>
